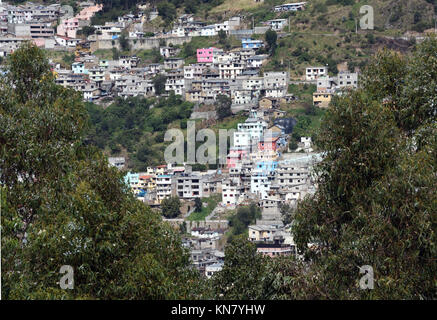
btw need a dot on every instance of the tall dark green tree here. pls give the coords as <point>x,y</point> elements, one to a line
<point>223,107</point>
<point>171,207</point>
<point>63,205</point>
<point>376,203</point>
<point>271,37</point>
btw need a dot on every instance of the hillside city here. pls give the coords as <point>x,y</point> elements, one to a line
<point>227,73</point>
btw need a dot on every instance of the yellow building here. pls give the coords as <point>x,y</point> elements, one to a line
<point>322,99</point>
<point>147,182</point>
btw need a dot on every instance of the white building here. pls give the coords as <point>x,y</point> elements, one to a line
<point>277,24</point>
<point>163,186</point>
<point>313,73</point>
<point>231,193</point>
<point>210,270</point>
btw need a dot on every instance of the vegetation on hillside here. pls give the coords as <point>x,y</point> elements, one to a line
<point>135,127</point>
<point>62,204</point>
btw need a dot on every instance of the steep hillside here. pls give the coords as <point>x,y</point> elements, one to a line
<point>333,15</point>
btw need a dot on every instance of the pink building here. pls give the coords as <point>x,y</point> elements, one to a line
<point>235,157</point>
<point>88,13</point>
<point>205,55</point>
<point>68,28</point>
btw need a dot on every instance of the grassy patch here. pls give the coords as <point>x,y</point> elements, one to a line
<point>236,5</point>
<point>212,202</point>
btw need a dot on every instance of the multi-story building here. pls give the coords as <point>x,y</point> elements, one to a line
<point>347,79</point>
<point>175,82</point>
<point>277,24</point>
<point>276,80</point>
<point>205,55</point>
<point>189,186</point>
<point>231,193</point>
<point>173,63</point>
<point>163,186</point>
<point>313,73</point>
<point>322,99</point>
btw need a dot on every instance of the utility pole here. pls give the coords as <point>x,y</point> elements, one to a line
<point>289,24</point>
<point>356,25</point>
<point>288,68</point>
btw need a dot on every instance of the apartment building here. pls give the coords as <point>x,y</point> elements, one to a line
<point>248,43</point>
<point>189,186</point>
<point>277,24</point>
<point>231,193</point>
<point>175,82</point>
<point>163,186</point>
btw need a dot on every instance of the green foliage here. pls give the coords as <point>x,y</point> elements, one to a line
<point>167,11</point>
<point>133,125</point>
<point>124,42</point>
<point>211,202</point>
<point>376,190</point>
<point>271,38</point>
<point>62,204</point>
<point>171,207</point>
<point>159,84</point>
<point>223,107</point>
<point>242,219</point>
<point>87,30</point>
<point>287,213</point>
<point>244,273</point>
<point>198,205</point>
<point>68,59</point>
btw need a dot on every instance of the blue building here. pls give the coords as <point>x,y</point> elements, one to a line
<point>79,67</point>
<point>266,166</point>
<point>248,43</point>
<point>132,178</point>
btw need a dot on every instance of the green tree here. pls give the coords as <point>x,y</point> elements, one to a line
<point>245,274</point>
<point>171,207</point>
<point>223,37</point>
<point>198,204</point>
<point>376,201</point>
<point>63,205</point>
<point>287,213</point>
<point>271,36</point>
<point>167,11</point>
<point>159,84</point>
<point>124,42</point>
<point>223,107</point>
<point>88,30</point>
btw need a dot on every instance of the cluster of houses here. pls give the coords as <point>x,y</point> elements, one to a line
<point>39,23</point>
<point>234,73</point>
<point>56,27</point>
<point>328,86</point>
<point>259,168</point>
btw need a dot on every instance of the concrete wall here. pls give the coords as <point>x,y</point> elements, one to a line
<point>139,44</point>
<point>203,115</point>
<point>213,224</point>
